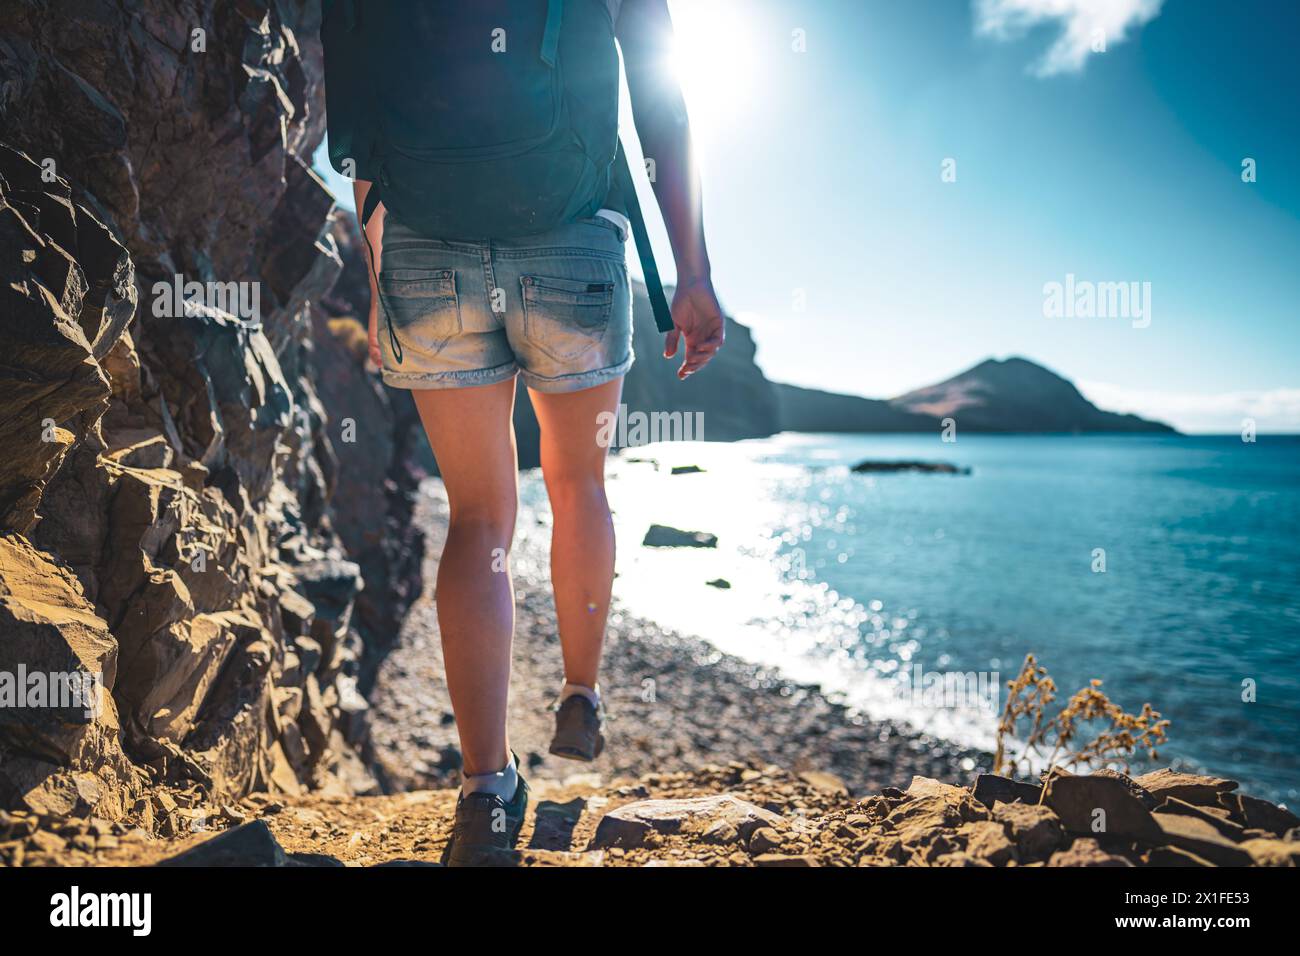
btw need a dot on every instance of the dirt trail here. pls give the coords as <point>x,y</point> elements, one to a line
<point>411,828</point>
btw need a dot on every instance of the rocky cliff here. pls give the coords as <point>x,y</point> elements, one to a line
<point>203,495</point>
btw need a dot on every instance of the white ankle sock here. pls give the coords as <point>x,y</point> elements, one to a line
<point>503,782</point>
<point>591,693</point>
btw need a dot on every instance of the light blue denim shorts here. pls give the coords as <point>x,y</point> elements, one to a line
<point>555,308</point>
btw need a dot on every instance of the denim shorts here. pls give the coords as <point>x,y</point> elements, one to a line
<point>555,308</point>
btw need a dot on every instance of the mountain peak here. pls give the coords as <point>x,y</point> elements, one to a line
<point>1016,395</point>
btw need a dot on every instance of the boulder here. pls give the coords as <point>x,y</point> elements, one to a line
<point>1035,830</point>
<point>1258,814</point>
<point>1266,852</point>
<point>1171,856</point>
<point>1200,838</point>
<point>991,789</point>
<point>628,825</point>
<point>1086,852</point>
<point>1198,790</point>
<point>1214,816</point>
<point>1101,804</point>
<point>914,820</point>
<point>987,840</point>
<point>252,844</point>
<point>765,840</point>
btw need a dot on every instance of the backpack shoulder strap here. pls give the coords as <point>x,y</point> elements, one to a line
<point>654,285</point>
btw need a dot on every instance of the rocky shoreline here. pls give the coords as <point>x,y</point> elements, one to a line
<point>726,763</point>
<point>675,702</point>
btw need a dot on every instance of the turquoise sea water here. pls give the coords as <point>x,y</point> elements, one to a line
<point>1200,593</point>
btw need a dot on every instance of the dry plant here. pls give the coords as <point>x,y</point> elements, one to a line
<point>1062,739</point>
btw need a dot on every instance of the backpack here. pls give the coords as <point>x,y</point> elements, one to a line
<point>481,119</point>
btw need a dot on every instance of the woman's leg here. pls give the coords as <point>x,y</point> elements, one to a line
<point>473,439</point>
<point>582,538</point>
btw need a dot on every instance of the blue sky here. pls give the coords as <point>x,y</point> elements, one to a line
<point>860,270</point>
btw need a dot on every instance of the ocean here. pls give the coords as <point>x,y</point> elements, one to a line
<point>1168,567</point>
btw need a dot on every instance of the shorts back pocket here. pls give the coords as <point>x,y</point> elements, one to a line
<point>566,318</point>
<point>423,307</point>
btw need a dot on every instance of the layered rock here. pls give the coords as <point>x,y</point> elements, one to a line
<point>186,512</point>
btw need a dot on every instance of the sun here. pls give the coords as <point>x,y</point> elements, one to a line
<point>714,60</point>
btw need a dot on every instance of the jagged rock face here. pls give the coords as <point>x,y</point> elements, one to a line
<point>167,458</point>
<point>61,745</point>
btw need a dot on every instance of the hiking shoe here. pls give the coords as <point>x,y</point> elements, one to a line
<point>578,724</point>
<point>486,828</point>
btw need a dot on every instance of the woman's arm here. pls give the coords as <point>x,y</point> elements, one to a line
<point>645,35</point>
<point>375,233</point>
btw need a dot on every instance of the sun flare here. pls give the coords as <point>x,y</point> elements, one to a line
<point>714,60</point>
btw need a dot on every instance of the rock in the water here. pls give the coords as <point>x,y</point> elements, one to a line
<point>929,467</point>
<point>662,536</point>
<point>1100,804</point>
<point>686,469</point>
<point>628,825</point>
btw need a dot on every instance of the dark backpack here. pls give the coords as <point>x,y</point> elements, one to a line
<point>481,118</point>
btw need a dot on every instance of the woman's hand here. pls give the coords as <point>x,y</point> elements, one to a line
<point>697,316</point>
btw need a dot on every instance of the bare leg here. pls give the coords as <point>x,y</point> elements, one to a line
<point>582,539</point>
<point>473,439</point>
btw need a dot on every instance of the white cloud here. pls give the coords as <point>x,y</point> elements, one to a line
<point>1082,23</point>
<point>1274,410</point>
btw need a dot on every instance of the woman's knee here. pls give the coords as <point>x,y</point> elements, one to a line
<point>575,488</point>
<point>492,518</point>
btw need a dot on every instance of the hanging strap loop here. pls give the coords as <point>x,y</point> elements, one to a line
<point>551,35</point>
<point>653,284</point>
